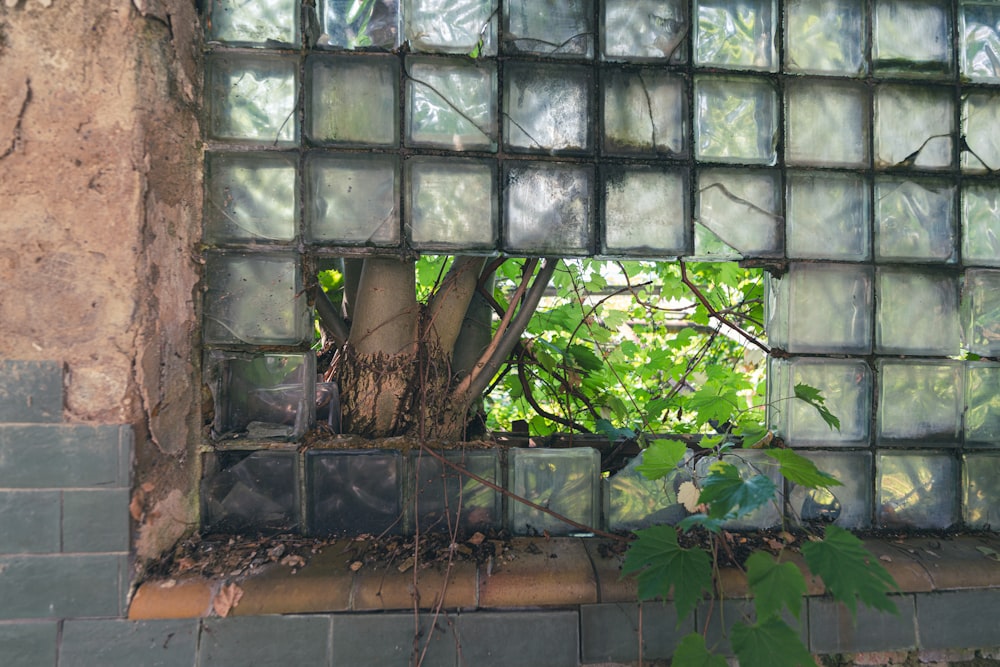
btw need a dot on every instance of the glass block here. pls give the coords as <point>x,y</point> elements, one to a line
<point>821,308</point>
<point>262,395</point>
<point>981,304</point>
<point>451,26</point>
<point>547,107</point>
<point>848,506</point>
<point>917,313</point>
<point>645,29</point>
<point>252,98</point>
<point>644,113</point>
<point>250,197</point>
<point>846,385</point>
<point>735,120</point>
<point>452,203</point>
<point>913,127</point>
<point>353,492</point>
<point>738,35</point>
<point>981,129</point>
<point>738,214</point>
<point>917,490</point>
<point>750,463</point>
<point>827,124</point>
<point>981,491</point>
<point>349,24</point>
<point>912,37</point>
<point>259,23</point>
<point>825,37</point>
<point>920,402</point>
<point>353,100</point>
<point>981,224</point>
<point>566,481</point>
<point>982,404</point>
<point>915,220</point>
<point>828,216</point>
<point>446,499</point>
<point>451,105</point>
<point>352,199</point>
<point>549,27</point>
<point>254,299</point>
<point>980,42</point>
<point>250,492</point>
<point>636,502</point>
<point>645,211</point>
<point>548,208</point>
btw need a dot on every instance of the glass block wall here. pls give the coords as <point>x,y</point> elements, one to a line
<point>851,146</point>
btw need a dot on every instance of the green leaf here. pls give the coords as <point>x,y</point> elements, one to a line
<point>663,564</point>
<point>774,585</point>
<point>769,643</point>
<point>692,652</point>
<point>800,470</point>
<point>661,458</point>
<point>729,496</point>
<point>584,358</point>
<point>813,397</point>
<point>709,405</point>
<point>849,571</point>
<point>612,432</point>
<point>701,521</point>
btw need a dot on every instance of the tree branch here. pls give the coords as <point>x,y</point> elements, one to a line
<point>329,318</point>
<point>447,307</point>
<point>718,315</point>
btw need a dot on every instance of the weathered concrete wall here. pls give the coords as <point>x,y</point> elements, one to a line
<point>100,212</point>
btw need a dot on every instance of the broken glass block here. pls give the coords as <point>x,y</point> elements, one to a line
<point>250,491</point>
<point>848,506</point>
<point>353,100</point>
<point>644,113</point>
<point>566,481</point>
<point>352,199</point>
<point>252,98</point>
<point>750,463</point>
<point>353,492</point>
<point>917,312</point>
<point>259,23</point>
<point>349,24</point>
<point>250,197</point>
<point>981,304</point>
<point>452,203</point>
<point>548,207</point>
<point>549,27</point>
<point>920,402</point>
<point>451,104</point>
<point>846,386</point>
<point>736,120</point>
<point>825,37</point>
<point>633,501</point>
<point>915,220</point>
<point>645,30</point>
<point>821,308</point>
<point>916,490</point>
<point>980,42</point>
<point>828,216</point>
<point>645,209</point>
<point>256,299</point>
<point>827,124</point>
<point>913,126</point>
<point>451,26</point>
<point>980,224</point>
<point>982,404</point>
<point>547,107</point>
<point>736,34</point>
<point>445,498</point>
<point>737,214</point>
<point>261,396</point>
<point>912,37</point>
<point>981,490</point>
<point>980,120</point>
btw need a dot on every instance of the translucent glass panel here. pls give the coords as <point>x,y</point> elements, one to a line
<point>350,24</point>
<point>920,402</point>
<point>917,312</point>
<point>750,463</point>
<point>982,306</point>
<point>547,108</point>
<point>981,224</point>
<point>252,491</point>
<point>736,34</point>
<point>980,41</point>
<point>451,105</point>
<point>353,100</point>
<point>644,211</point>
<point>982,411</point>
<point>827,124</point>
<point>828,216</point>
<point>250,197</point>
<point>981,129</point>
<point>254,299</point>
<point>452,203</point>
<point>258,23</point>
<point>645,29</point>
<point>566,481</point>
<point>981,491</point>
<point>845,384</point>
<point>352,199</point>
<point>548,208</point>
<point>736,120</point>
<point>825,37</point>
<point>738,213</point>
<point>644,113</point>
<point>252,99</point>
<point>914,126</point>
<point>353,492</point>
<point>912,36</point>
<point>446,499</point>
<point>633,501</point>
<point>451,26</point>
<point>915,220</point>
<point>847,506</point>
<point>549,27</point>
<point>917,490</point>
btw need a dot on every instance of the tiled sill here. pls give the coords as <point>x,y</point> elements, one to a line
<point>556,572</point>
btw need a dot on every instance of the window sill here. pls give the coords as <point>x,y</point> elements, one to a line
<point>556,572</point>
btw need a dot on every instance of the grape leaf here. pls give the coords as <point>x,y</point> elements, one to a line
<point>849,571</point>
<point>813,397</point>
<point>691,651</point>
<point>661,563</point>
<point>612,432</point>
<point>661,458</point>
<point>769,643</point>
<point>774,585</point>
<point>800,470</point>
<point>729,496</point>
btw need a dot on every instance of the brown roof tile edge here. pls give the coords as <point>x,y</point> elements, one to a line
<point>555,572</point>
